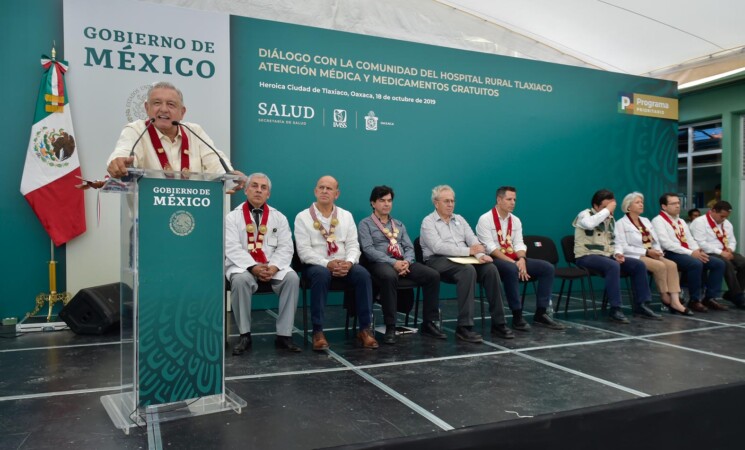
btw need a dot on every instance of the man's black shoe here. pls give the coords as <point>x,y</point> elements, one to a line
<point>616,315</point>
<point>467,335</point>
<point>431,330</point>
<point>243,344</point>
<point>519,323</point>
<point>390,335</point>
<point>545,320</point>
<point>643,310</point>
<point>502,331</point>
<point>285,343</point>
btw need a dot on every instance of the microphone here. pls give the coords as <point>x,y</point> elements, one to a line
<point>148,123</point>
<point>222,161</point>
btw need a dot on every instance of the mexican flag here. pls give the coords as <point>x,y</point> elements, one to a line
<point>52,167</point>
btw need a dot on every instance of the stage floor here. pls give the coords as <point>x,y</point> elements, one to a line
<point>52,382</point>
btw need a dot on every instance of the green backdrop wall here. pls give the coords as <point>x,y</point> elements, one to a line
<point>27,30</point>
<point>556,147</point>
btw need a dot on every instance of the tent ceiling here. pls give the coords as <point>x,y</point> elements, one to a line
<point>680,40</point>
<point>639,37</point>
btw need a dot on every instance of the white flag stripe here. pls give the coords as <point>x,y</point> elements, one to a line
<point>37,173</point>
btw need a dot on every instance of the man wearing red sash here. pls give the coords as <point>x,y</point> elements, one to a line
<point>501,232</point>
<point>258,248</point>
<point>160,144</point>
<point>680,247</point>
<point>715,235</point>
<point>390,257</point>
<point>326,238</point>
<point>446,236</point>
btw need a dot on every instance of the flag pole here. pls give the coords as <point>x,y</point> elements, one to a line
<point>52,145</point>
<point>53,296</point>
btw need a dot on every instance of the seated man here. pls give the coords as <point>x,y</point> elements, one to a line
<point>258,247</point>
<point>715,235</point>
<point>326,238</point>
<point>681,248</point>
<point>594,250</point>
<point>390,255</point>
<point>501,232</point>
<point>443,235</point>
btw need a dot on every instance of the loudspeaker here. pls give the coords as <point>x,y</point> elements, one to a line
<point>93,310</point>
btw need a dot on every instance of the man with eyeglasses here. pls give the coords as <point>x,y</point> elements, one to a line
<point>445,235</point>
<point>681,248</point>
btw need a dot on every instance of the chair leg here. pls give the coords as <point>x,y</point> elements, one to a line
<point>592,298</point>
<point>561,292</point>
<point>481,299</point>
<point>416,305</point>
<point>305,317</point>
<point>569,296</point>
<point>525,290</point>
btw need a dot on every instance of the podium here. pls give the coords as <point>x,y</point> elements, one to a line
<point>172,284</point>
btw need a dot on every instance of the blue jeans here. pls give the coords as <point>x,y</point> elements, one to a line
<point>320,279</point>
<point>539,270</point>
<point>694,270</point>
<point>609,268</point>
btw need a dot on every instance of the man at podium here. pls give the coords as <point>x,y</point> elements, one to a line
<point>164,142</point>
<point>258,248</point>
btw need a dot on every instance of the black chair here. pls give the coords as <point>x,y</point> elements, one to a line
<point>405,285</point>
<point>544,248</point>
<point>419,257</point>
<point>336,285</point>
<point>567,246</point>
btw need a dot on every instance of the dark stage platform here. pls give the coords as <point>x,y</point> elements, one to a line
<point>679,381</point>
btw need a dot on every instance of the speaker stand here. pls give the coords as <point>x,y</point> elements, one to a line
<point>40,323</point>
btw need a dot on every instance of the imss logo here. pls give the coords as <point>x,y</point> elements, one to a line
<point>340,118</point>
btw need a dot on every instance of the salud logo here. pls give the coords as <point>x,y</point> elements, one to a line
<point>340,118</point>
<point>54,146</point>
<point>182,223</point>
<point>371,122</point>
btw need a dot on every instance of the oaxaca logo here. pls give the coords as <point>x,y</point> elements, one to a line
<point>53,146</point>
<point>340,118</point>
<point>371,122</point>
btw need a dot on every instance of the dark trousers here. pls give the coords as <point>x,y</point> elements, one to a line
<point>387,279</point>
<point>734,275</point>
<point>610,269</point>
<point>357,278</point>
<point>539,270</point>
<point>694,271</point>
<point>464,276</point>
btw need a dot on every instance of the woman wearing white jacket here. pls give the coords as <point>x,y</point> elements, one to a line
<point>635,238</point>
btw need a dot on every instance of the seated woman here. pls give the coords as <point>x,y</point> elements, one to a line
<point>636,238</point>
<point>595,251</point>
